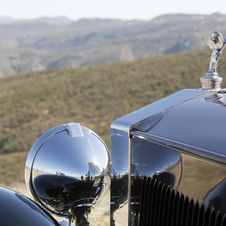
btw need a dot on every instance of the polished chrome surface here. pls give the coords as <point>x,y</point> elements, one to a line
<point>74,129</point>
<point>68,169</point>
<point>120,150</point>
<point>217,98</point>
<point>119,177</point>
<point>127,122</point>
<point>197,124</point>
<point>216,197</point>
<point>182,146</point>
<point>197,177</point>
<point>150,122</point>
<point>35,148</point>
<point>217,43</point>
<point>153,160</point>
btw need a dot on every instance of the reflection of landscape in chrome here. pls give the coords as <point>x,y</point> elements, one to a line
<point>119,197</point>
<point>100,215</point>
<point>119,188</point>
<point>60,192</point>
<point>92,172</point>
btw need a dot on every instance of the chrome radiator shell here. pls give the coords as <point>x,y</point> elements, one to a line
<point>193,167</point>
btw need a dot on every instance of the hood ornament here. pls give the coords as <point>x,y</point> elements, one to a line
<point>211,79</point>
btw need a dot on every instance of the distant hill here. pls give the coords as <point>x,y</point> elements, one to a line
<point>38,44</point>
<point>6,19</point>
<point>32,103</point>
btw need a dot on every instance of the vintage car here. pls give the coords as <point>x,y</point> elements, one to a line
<point>168,158</point>
<point>167,165</point>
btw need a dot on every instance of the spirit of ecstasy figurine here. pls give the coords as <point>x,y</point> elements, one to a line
<point>217,43</point>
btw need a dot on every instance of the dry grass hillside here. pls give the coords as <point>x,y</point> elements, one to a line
<point>33,103</point>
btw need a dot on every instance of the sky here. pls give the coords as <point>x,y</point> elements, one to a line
<point>117,9</point>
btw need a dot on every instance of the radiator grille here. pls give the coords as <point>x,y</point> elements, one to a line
<point>164,206</point>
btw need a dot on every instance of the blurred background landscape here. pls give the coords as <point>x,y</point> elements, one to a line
<point>56,69</point>
<point>39,44</point>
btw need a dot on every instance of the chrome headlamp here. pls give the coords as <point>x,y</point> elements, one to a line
<point>67,169</point>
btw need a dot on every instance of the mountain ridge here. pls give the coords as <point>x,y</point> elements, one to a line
<point>55,42</point>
